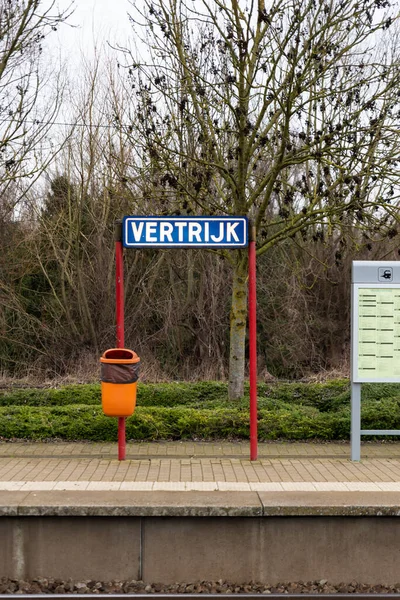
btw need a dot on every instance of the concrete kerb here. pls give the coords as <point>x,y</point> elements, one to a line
<point>199,504</point>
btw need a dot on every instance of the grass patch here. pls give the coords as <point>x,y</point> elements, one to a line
<point>198,411</point>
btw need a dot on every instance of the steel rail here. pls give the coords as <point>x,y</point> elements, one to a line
<point>173,596</point>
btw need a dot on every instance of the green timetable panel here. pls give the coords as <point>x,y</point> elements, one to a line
<point>378,348</point>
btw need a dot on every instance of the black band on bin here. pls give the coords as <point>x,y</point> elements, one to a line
<point>119,373</point>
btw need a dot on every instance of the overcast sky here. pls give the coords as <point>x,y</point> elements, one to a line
<point>96,21</point>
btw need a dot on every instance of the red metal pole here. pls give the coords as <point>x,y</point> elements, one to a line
<point>121,438</point>
<point>253,342</point>
<point>119,297</point>
<point>119,291</point>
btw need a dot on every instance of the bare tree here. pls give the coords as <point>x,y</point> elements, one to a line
<point>30,95</point>
<point>285,112</point>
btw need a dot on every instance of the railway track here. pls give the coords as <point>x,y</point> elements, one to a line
<point>360,596</point>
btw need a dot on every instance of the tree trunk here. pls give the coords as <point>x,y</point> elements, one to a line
<point>238,329</point>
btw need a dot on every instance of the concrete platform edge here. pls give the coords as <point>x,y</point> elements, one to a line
<point>199,504</point>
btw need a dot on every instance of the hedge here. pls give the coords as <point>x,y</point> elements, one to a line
<point>207,394</point>
<point>290,411</point>
<point>83,422</point>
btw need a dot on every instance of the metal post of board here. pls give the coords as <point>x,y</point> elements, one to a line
<point>120,330</point>
<point>253,341</point>
<point>355,435</point>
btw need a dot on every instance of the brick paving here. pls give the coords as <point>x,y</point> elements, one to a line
<point>229,450</point>
<point>199,466</point>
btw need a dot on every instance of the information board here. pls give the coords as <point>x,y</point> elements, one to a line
<point>375,336</point>
<point>378,332</point>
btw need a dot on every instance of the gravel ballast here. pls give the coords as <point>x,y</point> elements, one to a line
<point>57,586</point>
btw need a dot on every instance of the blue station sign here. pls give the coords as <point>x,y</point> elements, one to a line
<point>185,232</point>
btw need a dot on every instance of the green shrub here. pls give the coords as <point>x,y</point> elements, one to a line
<point>88,423</point>
<point>70,394</point>
<point>376,391</point>
<point>205,394</point>
<point>82,422</point>
<point>198,411</point>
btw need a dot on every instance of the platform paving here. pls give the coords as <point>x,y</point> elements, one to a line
<point>198,466</point>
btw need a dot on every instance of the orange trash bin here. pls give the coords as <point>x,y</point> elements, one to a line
<point>119,375</point>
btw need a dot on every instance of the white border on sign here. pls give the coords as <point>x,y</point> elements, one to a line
<point>354,332</point>
<point>185,244</point>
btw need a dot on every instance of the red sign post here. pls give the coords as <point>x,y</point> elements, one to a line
<point>188,232</point>
<point>253,341</point>
<point>119,297</point>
